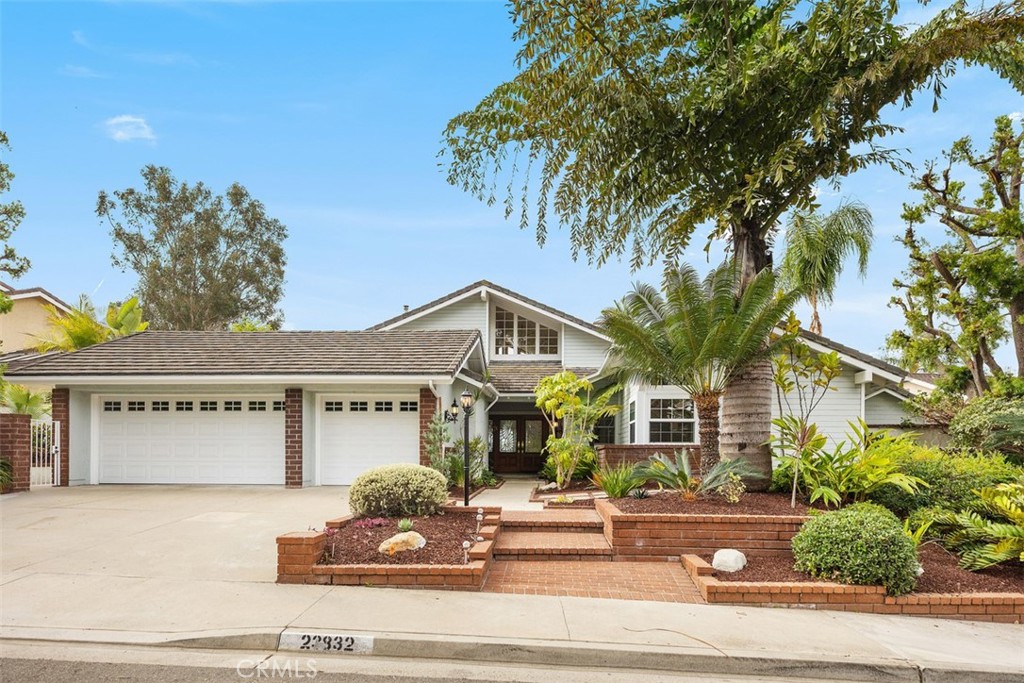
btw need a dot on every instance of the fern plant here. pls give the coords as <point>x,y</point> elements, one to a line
<point>983,540</point>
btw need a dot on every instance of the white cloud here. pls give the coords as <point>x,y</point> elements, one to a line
<point>79,39</point>
<point>77,71</point>
<point>127,128</point>
<point>1016,115</point>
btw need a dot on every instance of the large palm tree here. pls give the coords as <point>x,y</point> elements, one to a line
<point>697,335</point>
<point>818,246</point>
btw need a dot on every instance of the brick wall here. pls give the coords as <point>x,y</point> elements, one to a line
<point>667,536</point>
<point>60,400</point>
<point>615,454</point>
<point>16,448</point>
<point>428,406</point>
<point>293,438</point>
<point>1002,607</point>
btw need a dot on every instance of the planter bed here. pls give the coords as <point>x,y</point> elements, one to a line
<point>665,535</point>
<point>766,583</point>
<point>345,554</point>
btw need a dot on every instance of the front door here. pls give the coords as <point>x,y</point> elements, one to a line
<point>517,444</point>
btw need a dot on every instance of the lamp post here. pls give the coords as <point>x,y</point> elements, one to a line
<point>466,401</point>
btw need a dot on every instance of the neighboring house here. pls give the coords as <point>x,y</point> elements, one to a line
<point>312,408</point>
<point>28,318</point>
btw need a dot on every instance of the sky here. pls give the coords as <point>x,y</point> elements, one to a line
<point>331,113</point>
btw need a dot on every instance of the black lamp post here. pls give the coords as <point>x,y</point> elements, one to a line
<point>466,400</point>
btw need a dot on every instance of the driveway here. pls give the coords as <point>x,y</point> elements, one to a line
<point>174,532</point>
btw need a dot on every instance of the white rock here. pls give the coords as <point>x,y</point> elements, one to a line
<point>729,560</point>
<point>399,543</point>
<point>920,570</point>
<point>548,487</point>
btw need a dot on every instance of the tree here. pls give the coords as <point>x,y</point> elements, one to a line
<point>638,123</point>
<point>203,261</point>
<point>964,297</point>
<point>23,401</point>
<point>81,328</point>
<point>250,325</point>
<point>817,247</point>
<point>572,413</point>
<point>698,335</point>
<point>11,215</point>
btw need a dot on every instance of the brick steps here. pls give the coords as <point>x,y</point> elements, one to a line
<point>554,521</point>
<point>551,545</point>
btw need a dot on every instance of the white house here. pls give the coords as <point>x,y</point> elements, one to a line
<point>318,408</point>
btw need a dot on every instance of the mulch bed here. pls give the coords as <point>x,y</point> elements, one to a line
<point>941,573</point>
<point>445,534</point>
<point>670,502</point>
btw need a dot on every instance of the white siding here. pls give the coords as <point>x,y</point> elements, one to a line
<point>582,350</point>
<point>468,314</point>
<point>884,410</point>
<point>80,415</point>
<point>837,409</point>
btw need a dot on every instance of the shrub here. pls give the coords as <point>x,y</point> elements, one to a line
<point>862,544</point>
<point>985,421</point>
<point>733,489</point>
<point>398,491</point>
<point>618,481</point>
<point>951,479</point>
<point>584,468</point>
<point>998,536</point>
<point>6,473</point>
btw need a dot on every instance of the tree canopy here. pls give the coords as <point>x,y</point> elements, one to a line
<point>11,214</point>
<point>636,123</point>
<point>964,297</point>
<point>204,261</point>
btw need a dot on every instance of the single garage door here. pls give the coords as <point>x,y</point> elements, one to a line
<point>360,432</point>
<point>191,440</point>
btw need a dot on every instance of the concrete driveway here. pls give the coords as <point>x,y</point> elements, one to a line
<point>173,532</point>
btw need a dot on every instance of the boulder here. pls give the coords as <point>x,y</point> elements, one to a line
<point>729,560</point>
<point>550,486</point>
<point>408,540</point>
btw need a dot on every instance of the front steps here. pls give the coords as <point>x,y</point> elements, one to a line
<point>545,535</point>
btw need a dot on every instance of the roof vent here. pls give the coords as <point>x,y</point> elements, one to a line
<point>405,308</point>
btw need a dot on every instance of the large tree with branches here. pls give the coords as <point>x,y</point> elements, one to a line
<point>964,297</point>
<point>636,123</point>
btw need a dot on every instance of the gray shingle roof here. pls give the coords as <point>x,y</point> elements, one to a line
<point>401,352</point>
<point>518,377</point>
<point>853,353</point>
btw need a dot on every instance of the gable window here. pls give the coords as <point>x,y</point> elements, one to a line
<point>515,335</point>
<point>673,420</point>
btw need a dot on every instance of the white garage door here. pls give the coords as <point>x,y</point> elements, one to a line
<point>191,440</point>
<point>360,432</point>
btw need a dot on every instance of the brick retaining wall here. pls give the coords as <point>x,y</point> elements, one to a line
<point>667,536</point>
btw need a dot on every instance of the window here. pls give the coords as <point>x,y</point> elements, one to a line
<point>258,406</point>
<point>358,406</point>
<point>333,406</point>
<point>632,421</point>
<point>183,406</point>
<point>278,406</point>
<point>408,406</point>
<point>515,335</point>
<point>136,406</point>
<point>112,406</point>
<point>604,430</point>
<point>383,406</point>
<point>673,420</point>
<point>207,406</point>
<point>159,406</point>
<point>232,406</point>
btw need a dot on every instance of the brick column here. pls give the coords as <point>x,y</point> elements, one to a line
<point>16,448</point>
<point>60,401</point>
<point>293,438</point>
<point>428,406</point>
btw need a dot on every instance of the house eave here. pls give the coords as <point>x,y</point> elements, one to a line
<point>255,380</point>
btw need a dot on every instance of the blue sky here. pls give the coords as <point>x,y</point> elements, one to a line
<point>330,113</point>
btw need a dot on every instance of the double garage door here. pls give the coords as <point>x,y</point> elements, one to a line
<point>240,439</point>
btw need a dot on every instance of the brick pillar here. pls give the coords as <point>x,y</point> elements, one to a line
<point>428,406</point>
<point>293,438</point>
<point>16,448</point>
<point>60,401</point>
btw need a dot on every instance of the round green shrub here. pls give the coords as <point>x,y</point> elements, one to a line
<point>978,421</point>
<point>862,544</point>
<point>951,478</point>
<point>398,491</point>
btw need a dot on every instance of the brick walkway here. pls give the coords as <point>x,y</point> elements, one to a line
<point>658,581</point>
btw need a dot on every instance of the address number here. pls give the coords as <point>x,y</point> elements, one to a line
<point>327,642</point>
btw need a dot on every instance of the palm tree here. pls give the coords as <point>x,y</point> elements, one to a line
<point>818,246</point>
<point>698,335</point>
<point>81,328</point>
<point>23,401</point>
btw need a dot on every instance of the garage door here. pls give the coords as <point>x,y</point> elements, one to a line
<point>191,440</point>
<point>360,432</point>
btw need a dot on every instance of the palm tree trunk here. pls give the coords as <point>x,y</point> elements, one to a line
<point>707,418</point>
<point>812,299</point>
<point>746,422</point>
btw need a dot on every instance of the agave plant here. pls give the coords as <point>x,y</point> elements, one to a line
<point>986,540</point>
<point>676,474</point>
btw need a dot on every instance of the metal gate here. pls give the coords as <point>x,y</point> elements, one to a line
<point>45,437</point>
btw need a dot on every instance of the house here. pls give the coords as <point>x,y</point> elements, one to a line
<point>28,319</point>
<point>318,408</point>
